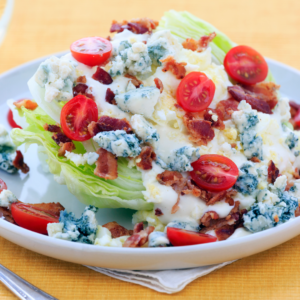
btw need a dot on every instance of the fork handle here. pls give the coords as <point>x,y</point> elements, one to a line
<point>21,288</point>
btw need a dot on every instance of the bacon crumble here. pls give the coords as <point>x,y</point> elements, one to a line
<point>51,208</point>
<point>102,76</point>
<point>139,237</point>
<point>159,84</point>
<point>52,128</point>
<point>19,163</point>
<point>106,165</point>
<point>117,230</point>
<point>63,142</point>
<point>255,159</point>
<point>110,97</point>
<point>28,104</point>
<point>200,45</point>
<point>138,26</point>
<point>158,212</point>
<point>136,82</point>
<point>81,79</point>
<point>208,116</point>
<point>273,172</point>
<point>228,107</point>
<point>200,130</point>
<point>106,123</point>
<point>177,69</point>
<point>6,214</point>
<point>145,158</point>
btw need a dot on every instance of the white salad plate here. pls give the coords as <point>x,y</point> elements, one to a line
<point>38,186</point>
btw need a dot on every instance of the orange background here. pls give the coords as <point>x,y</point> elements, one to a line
<point>41,27</point>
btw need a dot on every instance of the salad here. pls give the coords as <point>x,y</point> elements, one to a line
<point>169,118</point>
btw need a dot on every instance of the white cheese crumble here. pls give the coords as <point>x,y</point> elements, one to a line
<point>81,159</point>
<point>7,198</point>
<point>104,238</point>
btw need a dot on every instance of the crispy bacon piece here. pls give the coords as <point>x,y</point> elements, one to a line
<point>82,89</point>
<point>106,165</point>
<point>191,189</point>
<point>208,116</point>
<point>262,96</point>
<point>177,69</point>
<point>136,82</point>
<point>28,104</point>
<point>225,232</point>
<point>266,91</point>
<point>145,158</point>
<point>19,162</point>
<point>224,227</point>
<point>297,212</point>
<point>52,208</point>
<point>110,97</point>
<point>102,76</point>
<point>158,212</point>
<point>5,214</point>
<point>140,238</point>
<point>200,45</point>
<point>81,79</point>
<point>255,159</point>
<point>138,227</point>
<point>106,123</point>
<point>227,107</point>
<point>208,216</point>
<point>60,137</point>
<point>52,128</point>
<point>69,146</point>
<point>273,172</point>
<point>117,230</point>
<point>211,198</point>
<point>200,130</point>
<point>294,109</point>
<point>138,26</point>
<point>296,174</point>
<point>159,84</point>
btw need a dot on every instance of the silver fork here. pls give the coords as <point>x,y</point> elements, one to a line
<point>21,288</point>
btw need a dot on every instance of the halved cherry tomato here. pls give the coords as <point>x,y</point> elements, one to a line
<point>296,119</point>
<point>3,185</point>
<point>214,172</point>
<point>11,121</point>
<point>32,219</point>
<point>91,51</point>
<point>195,92</point>
<point>75,117</point>
<point>181,237</point>
<point>245,65</point>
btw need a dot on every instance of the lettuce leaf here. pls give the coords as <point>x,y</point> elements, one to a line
<point>185,25</point>
<point>125,191</point>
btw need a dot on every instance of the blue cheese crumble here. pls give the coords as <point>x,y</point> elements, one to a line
<point>7,152</point>
<point>132,59</point>
<point>246,120</point>
<point>57,76</point>
<point>246,182</point>
<point>292,140</point>
<point>157,50</point>
<point>143,129</point>
<point>119,143</point>
<point>7,198</point>
<point>82,230</point>
<point>193,226</point>
<point>139,101</point>
<point>158,239</point>
<point>180,160</point>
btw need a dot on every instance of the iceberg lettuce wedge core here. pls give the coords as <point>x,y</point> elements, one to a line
<point>125,191</point>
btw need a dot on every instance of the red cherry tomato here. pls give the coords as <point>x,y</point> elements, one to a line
<point>181,237</point>
<point>30,218</point>
<point>245,65</point>
<point>11,121</point>
<point>296,119</point>
<point>75,117</point>
<point>3,185</point>
<point>91,51</point>
<point>195,92</point>
<point>214,172</point>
